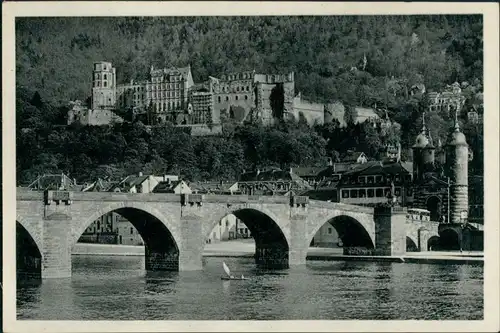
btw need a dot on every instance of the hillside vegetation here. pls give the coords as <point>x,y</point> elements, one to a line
<point>54,64</point>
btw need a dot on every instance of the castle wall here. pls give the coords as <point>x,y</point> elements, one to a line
<point>314,113</point>
<point>335,111</point>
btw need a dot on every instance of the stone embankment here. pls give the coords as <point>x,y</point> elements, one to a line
<point>245,248</point>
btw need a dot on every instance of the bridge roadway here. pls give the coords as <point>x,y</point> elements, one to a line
<point>175,227</point>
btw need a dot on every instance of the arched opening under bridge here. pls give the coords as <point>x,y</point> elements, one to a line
<point>411,246</point>
<point>28,256</point>
<point>235,232</point>
<point>134,226</point>
<point>343,234</point>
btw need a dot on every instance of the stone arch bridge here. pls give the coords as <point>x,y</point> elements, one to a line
<point>174,227</point>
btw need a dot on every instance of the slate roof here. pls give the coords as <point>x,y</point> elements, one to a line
<point>274,174</point>
<point>214,187</point>
<point>307,171</point>
<point>130,181</point>
<point>377,168</point>
<point>166,186</point>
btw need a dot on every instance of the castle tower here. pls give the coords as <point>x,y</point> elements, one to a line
<point>457,158</point>
<point>423,154</point>
<point>103,86</point>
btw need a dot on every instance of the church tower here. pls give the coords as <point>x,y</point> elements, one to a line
<point>423,154</point>
<point>457,159</point>
<point>103,86</point>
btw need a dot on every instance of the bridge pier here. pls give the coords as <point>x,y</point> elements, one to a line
<point>298,236</point>
<point>56,254</point>
<point>191,248</point>
<point>390,231</point>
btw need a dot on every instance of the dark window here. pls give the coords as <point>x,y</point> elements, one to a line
<point>379,179</point>
<point>246,97</point>
<point>371,193</point>
<point>370,179</point>
<point>379,193</point>
<point>345,193</point>
<point>362,193</point>
<point>236,97</point>
<point>354,193</point>
<point>329,231</point>
<point>218,98</point>
<point>131,230</point>
<point>397,191</point>
<point>227,98</point>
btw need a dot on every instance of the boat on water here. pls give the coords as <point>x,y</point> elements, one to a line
<point>230,276</point>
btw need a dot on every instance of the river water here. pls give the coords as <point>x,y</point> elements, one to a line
<point>118,288</point>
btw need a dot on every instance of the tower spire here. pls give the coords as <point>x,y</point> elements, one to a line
<point>457,126</point>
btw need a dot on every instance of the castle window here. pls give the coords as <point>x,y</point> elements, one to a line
<point>237,88</point>
<point>354,193</point>
<point>397,191</point>
<point>397,178</point>
<point>105,83</point>
<point>379,179</point>
<point>361,179</point>
<point>105,77</point>
<point>218,99</point>
<point>246,97</point>
<point>248,88</point>
<point>379,193</point>
<point>98,83</point>
<point>371,193</point>
<point>236,97</point>
<point>369,179</point>
<point>227,98</point>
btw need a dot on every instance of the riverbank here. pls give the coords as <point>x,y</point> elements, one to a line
<point>246,249</point>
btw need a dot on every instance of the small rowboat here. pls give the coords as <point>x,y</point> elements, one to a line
<point>228,274</point>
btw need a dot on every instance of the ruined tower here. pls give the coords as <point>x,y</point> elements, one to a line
<point>457,158</point>
<point>103,86</point>
<point>423,154</point>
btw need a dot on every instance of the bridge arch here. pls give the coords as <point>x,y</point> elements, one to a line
<point>160,236</point>
<point>34,234</point>
<point>28,254</point>
<point>355,230</point>
<point>411,244</point>
<point>433,243</point>
<point>271,239</point>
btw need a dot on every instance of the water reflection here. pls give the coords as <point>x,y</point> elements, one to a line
<point>118,288</point>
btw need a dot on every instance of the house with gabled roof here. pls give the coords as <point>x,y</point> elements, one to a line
<point>135,184</point>
<point>177,187</point>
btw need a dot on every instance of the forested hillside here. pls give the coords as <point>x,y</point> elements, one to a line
<point>54,63</point>
<point>55,56</point>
